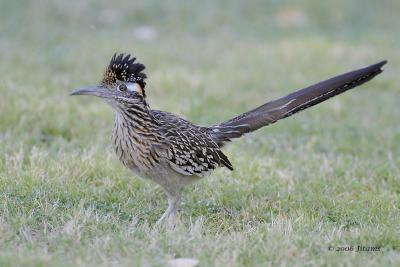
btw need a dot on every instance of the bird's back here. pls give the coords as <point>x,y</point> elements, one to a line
<point>191,149</point>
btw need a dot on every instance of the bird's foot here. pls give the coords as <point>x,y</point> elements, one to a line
<point>168,219</point>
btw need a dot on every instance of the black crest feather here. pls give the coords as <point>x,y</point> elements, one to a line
<point>123,68</point>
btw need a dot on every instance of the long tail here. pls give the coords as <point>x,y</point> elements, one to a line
<point>297,101</point>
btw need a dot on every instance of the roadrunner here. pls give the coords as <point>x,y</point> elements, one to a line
<point>172,151</point>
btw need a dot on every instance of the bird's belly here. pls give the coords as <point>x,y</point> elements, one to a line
<point>168,178</point>
<point>160,173</point>
<point>132,159</point>
<point>144,162</point>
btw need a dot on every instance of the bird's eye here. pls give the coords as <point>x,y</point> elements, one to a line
<point>122,87</point>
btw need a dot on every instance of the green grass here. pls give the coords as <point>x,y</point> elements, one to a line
<point>326,177</point>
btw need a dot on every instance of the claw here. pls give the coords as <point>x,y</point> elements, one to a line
<point>169,215</point>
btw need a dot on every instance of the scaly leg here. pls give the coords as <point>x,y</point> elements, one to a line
<point>169,215</point>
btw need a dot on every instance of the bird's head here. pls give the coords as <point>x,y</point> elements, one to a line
<point>123,83</point>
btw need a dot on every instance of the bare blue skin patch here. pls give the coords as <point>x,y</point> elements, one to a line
<point>134,87</point>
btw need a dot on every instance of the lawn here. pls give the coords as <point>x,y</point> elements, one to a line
<point>325,179</point>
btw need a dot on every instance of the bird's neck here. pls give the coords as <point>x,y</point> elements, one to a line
<point>134,134</point>
<point>135,117</point>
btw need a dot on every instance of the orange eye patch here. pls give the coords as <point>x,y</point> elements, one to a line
<point>135,87</point>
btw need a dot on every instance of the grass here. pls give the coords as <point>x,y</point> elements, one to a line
<point>326,177</point>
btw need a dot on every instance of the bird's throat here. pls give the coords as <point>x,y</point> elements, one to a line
<point>133,136</point>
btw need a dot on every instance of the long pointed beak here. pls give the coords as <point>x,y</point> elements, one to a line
<point>91,90</point>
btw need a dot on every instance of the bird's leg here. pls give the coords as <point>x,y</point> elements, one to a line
<point>169,215</point>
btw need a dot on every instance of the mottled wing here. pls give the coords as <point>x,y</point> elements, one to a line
<point>190,150</point>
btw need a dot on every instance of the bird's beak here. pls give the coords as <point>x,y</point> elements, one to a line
<point>99,91</point>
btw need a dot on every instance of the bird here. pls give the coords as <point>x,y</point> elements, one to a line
<point>174,152</point>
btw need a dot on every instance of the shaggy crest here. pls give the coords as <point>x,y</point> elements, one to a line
<point>123,68</point>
